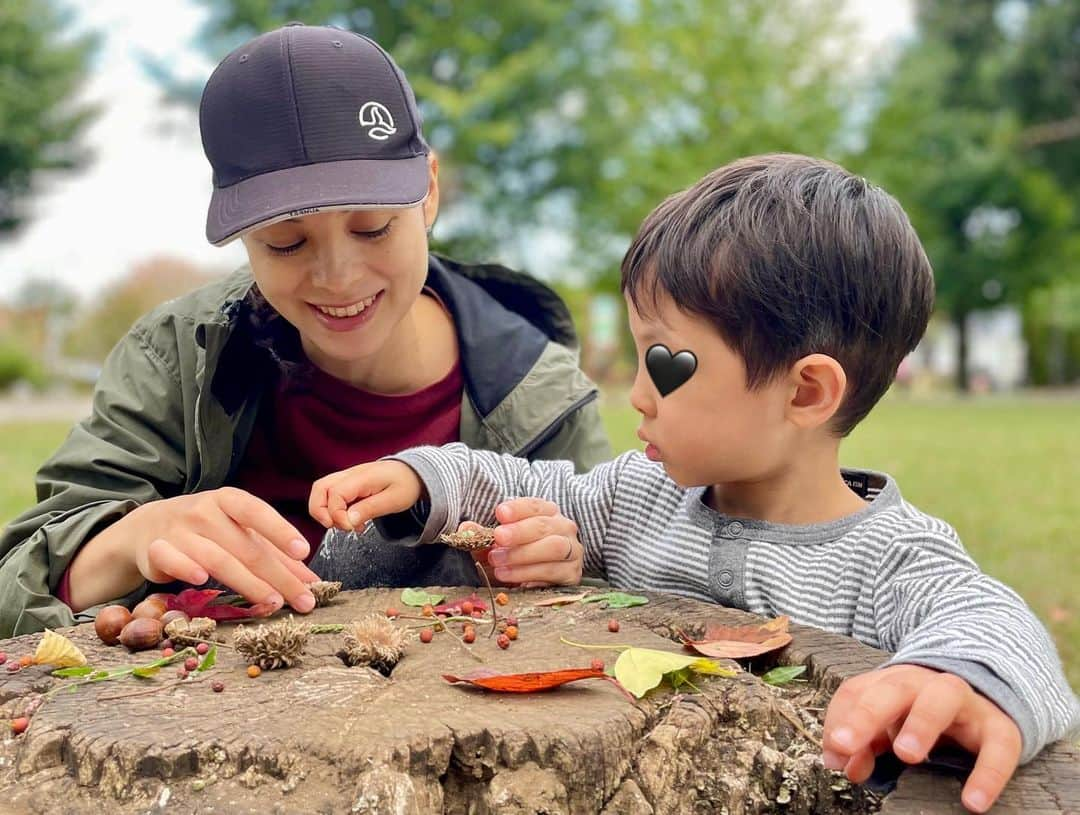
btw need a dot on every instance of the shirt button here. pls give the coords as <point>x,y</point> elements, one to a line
<point>726,578</point>
<point>734,528</point>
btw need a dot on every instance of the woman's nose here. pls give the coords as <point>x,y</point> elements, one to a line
<point>337,265</point>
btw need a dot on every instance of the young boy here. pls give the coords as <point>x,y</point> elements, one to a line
<point>771,304</point>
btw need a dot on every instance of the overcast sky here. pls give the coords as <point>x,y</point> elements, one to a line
<point>146,191</point>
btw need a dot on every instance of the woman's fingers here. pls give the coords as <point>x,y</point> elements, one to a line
<point>554,559</point>
<point>164,563</point>
<point>246,510</point>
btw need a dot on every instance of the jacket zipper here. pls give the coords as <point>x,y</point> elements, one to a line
<point>553,428</point>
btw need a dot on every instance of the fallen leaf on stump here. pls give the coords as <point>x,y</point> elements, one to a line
<point>740,641</point>
<point>209,603</point>
<point>561,599</point>
<point>58,651</point>
<point>530,682</point>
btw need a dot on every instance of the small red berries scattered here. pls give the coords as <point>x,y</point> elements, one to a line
<point>253,671</point>
<point>511,620</point>
<point>470,635</point>
<point>19,725</point>
<point>503,641</point>
<point>597,665</point>
<point>218,686</point>
<point>167,652</point>
<point>391,612</point>
<point>26,661</point>
<point>512,632</point>
<point>14,668</point>
<point>428,610</point>
<point>201,648</point>
<point>427,635</point>
<point>501,598</point>
<point>3,657</point>
<point>467,607</point>
<point>613,626</point>
<point>166,644</point>
<point>181,673</point>
<point>190,664</point>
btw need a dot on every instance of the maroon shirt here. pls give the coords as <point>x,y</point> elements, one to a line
<point>327,425</point>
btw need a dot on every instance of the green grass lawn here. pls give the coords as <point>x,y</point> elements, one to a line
<point>1004,472</point>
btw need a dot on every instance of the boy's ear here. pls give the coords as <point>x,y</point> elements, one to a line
<point>818,384</point>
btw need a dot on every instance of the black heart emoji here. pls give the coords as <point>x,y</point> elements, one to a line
<point>669,372</point>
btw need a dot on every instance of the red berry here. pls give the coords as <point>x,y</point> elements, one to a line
<point>166,644</point>
<point>167,652</point>
<point>19,725</point>
<point>512,632</point>
<point>391,612</point>
<point>218,686</point>
<point>26,660</point>
<point>613,626</point>
<point>181,673</point>
<point>14,668</point>
<point>503,641</point>
<point>201,648</point>
<point>467,607</point>
<point>511,620</point>
<point>3,657</point>
<point>597,665</point>
<point>477,612</point>
<point>190,664</point>
<point>253,671</point>
<point>427,635</point>
<point>470,635</point>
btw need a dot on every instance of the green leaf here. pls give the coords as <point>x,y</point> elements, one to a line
<point>419,597</point>
<point>145,671</point>
<point>617,599</point>
<point>82,670</point>
<point>783,674</point>
<point>208,660</point>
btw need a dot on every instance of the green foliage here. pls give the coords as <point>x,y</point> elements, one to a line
<point>17,364</point>
<point>40,71</point>
<point>783,674</point>
<point>582,116</point>
<point>1052,333</point>
<point>419,597</point>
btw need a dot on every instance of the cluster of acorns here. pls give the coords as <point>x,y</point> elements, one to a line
<point>149,625</point>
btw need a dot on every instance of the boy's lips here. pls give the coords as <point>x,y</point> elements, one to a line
<point>652,452</point>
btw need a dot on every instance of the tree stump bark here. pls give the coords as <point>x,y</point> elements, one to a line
<point>324,738</point>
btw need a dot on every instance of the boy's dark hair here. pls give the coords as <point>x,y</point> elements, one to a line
<point>787,256</point>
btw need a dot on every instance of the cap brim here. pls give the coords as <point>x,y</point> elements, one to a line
<point>298,191</point>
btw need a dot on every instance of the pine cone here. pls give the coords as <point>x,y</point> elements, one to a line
<point>190,632</point>
<point>373,641</point>
<point>278,645</point>
<point>324,591</point>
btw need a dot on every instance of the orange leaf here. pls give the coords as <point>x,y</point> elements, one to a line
<point>740,641</point>
<point>529,682</point>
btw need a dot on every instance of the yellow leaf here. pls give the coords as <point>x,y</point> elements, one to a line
<point>55,649</point>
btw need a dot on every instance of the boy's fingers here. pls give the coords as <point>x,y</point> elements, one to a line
<point>859,766</point>
<point>339,511</point>
<point>317,501</point>
<point>866,716</point>
<point>382,503</point>
<point>932,713</point>
<point>518,508</point>
<point>994,766</point>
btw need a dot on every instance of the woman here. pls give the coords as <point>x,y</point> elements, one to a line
<point>343,340</point>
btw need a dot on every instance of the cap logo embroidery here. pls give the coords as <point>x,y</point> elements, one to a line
<point>375,117</point>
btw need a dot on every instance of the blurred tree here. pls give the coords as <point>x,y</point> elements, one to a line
<point>995,224</point>
<point>148,285</point>
<point>50,294</point>
<point>40,71</point>
<point>563,123</point>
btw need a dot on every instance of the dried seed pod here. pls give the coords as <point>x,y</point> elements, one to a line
<point>470,539</point>
<point>190,632</point>
<point>141,633</point>
<point>278,645</point>
<point>324,591</point>
<point>373,641</point>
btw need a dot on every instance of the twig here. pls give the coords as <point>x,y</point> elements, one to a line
<point>174,683</point>
<point>806,734</point>
<point>461,642</point>
<point>491,596</point>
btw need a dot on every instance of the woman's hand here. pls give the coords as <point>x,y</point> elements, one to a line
<point>227,533</point>
<point>535,545</point>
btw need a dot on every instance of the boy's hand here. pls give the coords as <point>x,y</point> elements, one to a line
<point>909,708</point>
<point>535,545</point>
<point>348,499</point>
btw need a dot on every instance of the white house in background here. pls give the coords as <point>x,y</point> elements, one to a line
<point>997,352</point>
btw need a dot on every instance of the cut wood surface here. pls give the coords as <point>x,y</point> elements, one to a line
<point>323,738</point>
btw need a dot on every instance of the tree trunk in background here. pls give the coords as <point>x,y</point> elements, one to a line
<point>962,374</point>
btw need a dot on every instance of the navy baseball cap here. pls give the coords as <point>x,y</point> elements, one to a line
<point>305,119</point>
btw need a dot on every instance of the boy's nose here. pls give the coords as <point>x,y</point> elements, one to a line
<point>641,394</point>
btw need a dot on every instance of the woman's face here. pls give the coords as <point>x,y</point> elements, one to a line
<point>345,279</point>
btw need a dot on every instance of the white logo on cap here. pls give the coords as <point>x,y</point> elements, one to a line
<point>377,118</point>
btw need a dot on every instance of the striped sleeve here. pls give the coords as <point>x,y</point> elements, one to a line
<point>933,607</point>
<point>466,484</point>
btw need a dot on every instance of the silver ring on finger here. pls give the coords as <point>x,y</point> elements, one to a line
<point>569,548</point>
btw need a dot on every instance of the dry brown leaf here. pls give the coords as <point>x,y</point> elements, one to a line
<point>741,641</point>
<point>562,599</point>
<point>57,650</point>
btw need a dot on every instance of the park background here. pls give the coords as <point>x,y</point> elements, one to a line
<point>559,126</point>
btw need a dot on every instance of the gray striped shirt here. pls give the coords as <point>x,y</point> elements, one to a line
<point>889,575</point>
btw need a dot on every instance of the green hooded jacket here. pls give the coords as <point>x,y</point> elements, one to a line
<point>177,399</point>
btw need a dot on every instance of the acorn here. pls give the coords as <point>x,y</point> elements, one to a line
<point>175,614</point>
<point>141,634</point>
<point>110,622</point>
<point>152,608</point>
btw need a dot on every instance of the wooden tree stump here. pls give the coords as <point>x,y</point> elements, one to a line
<point>324,738</point>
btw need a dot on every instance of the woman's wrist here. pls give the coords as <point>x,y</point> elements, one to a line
<point>106,566</point>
